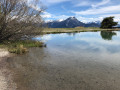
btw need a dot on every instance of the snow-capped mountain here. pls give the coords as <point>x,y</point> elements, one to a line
<point>70,22</point>
<point>93,24</point>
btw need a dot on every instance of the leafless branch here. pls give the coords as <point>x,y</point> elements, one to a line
<point>19,17</point>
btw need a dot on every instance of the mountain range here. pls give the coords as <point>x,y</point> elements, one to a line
<point>70,22</point>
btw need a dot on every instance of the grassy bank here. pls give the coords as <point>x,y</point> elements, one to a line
<point>20,47</point>
<point>71,30</point>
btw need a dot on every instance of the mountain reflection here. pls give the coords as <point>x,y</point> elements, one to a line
<point>107,35</point>
<point>71,34</point>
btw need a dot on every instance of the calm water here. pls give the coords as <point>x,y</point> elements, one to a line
<point>105,44</point>
<point>71,61</point>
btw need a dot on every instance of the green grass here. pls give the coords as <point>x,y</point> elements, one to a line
<point>20,47</point>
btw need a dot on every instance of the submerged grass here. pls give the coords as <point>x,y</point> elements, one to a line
<point>20,47</point>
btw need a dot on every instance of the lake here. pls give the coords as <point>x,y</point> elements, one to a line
<point>71,61</point>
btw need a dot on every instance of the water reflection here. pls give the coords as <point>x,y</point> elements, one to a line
<point>71,62</point>
<point>71,34</point>
<point>84,41</point>
<point>107,35</point>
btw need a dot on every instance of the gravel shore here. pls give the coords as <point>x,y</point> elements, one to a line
<point>6,81</point>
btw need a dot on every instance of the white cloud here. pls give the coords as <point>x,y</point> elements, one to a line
<point>117,16</point>
<point>46,15</point>
<point>61,17</point>
<point>86,20</point>
<point>34,4</point>
<point>101,10</point>
<point>99,18</point>
<point>101,3</point>
<point>35,7</point>
<point>117,20</point>
<point>83,3</point>
<point>49,16</point>
<point>77,3</point>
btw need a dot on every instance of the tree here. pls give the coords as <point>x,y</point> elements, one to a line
<point>19,17</point>
<point>108,22</point>
<point>107,35</point>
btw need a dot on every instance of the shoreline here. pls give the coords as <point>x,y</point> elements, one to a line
<point>6,79</point>
<point>74,30</point>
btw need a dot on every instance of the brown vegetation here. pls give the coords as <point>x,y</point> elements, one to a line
<point>19,18</point>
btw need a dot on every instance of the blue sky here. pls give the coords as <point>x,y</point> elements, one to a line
<point>83,10</point>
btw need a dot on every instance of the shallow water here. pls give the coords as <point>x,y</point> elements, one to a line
<point>71,61</point>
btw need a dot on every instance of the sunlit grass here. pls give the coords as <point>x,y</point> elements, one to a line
<point>70,30</point>
<point>20,47</point>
